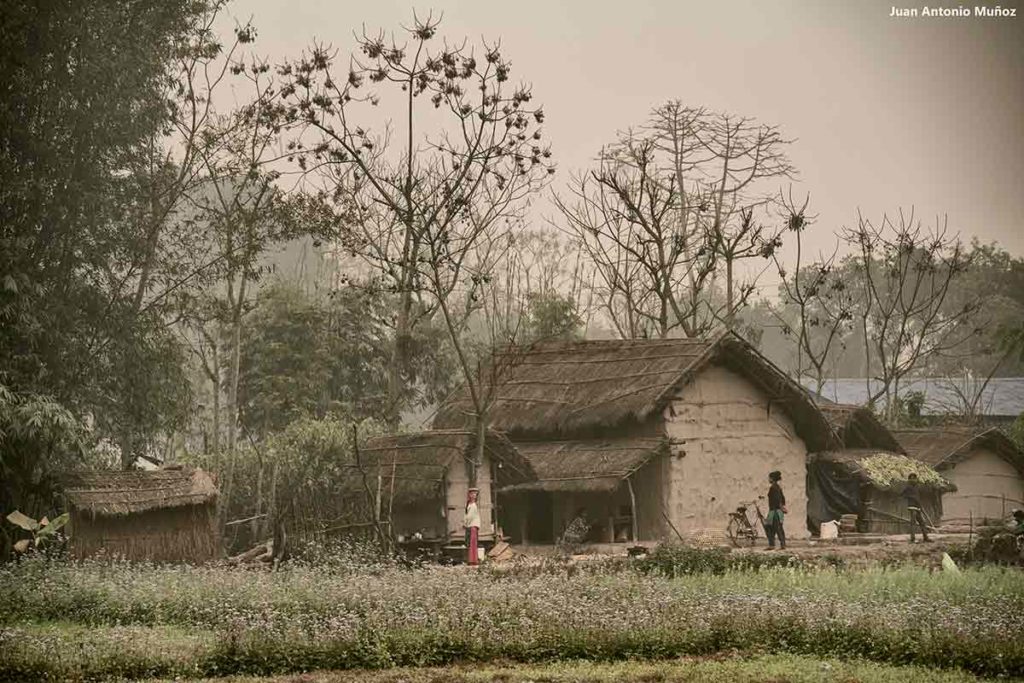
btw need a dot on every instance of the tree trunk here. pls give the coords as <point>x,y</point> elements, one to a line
<point>236,360</point>
<point>216,393</point>
<point>398,360</point>
<point>729,305</point>
<point>478,451</point>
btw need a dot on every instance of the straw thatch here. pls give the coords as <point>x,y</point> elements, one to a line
<point>944,446</point>
<point>882,469</point>
<point>592,465</point>
<point>166,515</point>
<point>414,465</point>
<point>571,387</point>
<point>125,493</point>
<point>858,427</point>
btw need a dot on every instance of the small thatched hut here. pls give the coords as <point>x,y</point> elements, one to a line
<point>984,464</point>
<point>858,427</point>
<point>869,483</point>
<point>420,481</point>
<point>656,437</point>
<point>167,515</point>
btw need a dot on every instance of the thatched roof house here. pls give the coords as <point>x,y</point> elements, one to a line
<point>638,433</point>
<point>984,464</point>
<point>600,385</point>
<point>869,483</point>
<point>167,515</point>
<point>419,481</point>
<point>858,427</point>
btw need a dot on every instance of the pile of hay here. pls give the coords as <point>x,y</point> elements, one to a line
<point>889,470</point>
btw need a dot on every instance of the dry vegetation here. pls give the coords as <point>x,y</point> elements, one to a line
<point>90,621</point>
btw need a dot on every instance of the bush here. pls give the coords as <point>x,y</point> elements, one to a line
<point>673,560</point>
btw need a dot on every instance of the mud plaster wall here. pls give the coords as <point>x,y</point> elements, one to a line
<point>983,480</point>
<point>457,480</point>
<point>725,442</point>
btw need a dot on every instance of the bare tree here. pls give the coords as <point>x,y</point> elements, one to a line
<point>421,202</point>
<point>666,207</point>
<point>460,157</point>
<point>623,215</point>
<point>719,161</point>
<point>904,274</point>
<point>816,306</point>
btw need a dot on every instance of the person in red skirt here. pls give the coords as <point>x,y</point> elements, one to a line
<point>472,524</point>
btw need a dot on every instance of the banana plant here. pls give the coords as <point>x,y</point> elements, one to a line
<point>42,530</point>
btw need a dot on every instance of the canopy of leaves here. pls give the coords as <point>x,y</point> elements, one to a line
<point>309,354</point>
<point>83,87</point>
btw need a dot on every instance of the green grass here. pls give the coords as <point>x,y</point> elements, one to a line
<point>120,620</point>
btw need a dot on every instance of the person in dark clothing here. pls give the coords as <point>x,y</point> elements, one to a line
<point>776,512</point>
<point>1018,518</point>
<point>912,494</point>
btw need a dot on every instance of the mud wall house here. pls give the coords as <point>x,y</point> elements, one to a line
<point>647,438</point>
<point>869,483</point>
<point>166,515</point>
<point>418,483</point>
<point>986,467</point>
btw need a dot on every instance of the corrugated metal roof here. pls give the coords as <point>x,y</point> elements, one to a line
<point>1002,397</point>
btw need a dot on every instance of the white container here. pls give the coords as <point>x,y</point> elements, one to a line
<point>829,530</point>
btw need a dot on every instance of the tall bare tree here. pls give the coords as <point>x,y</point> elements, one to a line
<point>460,156</point>
<point>667,207</point>
<point>454,168</point>
<point>904,275</point>
<point>816,307</point>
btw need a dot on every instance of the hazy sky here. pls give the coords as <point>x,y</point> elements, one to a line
<point>887,112</point>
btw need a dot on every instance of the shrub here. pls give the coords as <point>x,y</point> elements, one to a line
<point>673,560</point>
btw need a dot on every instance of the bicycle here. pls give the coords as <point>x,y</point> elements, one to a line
<point>739,526</point>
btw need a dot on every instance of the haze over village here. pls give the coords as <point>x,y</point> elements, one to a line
<point>477,342</point>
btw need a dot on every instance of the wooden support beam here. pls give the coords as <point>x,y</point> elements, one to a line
<point>632,509</point>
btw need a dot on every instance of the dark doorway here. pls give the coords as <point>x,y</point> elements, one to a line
<point>539,517</point>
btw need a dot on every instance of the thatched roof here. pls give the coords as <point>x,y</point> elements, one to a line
<point>883,469</point>
<point>944,446</point>
<point>124,493</point>
<point>417,462</point>
<point>858,427</point>
<point>567,387</point>
<point>586,465</point>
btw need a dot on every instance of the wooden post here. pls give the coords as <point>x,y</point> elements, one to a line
<point>379,483</point>
<point>391,494</point>
<point>970,537</point>
<point>444,505</point>
<point>632,509</point>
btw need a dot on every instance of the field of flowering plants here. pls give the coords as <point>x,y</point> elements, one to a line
<point>91,621</point>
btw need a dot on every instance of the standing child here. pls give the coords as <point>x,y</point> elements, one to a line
<point>776,511</point>
<point>472,524</point>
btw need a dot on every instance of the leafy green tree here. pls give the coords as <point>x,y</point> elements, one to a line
<point>80,107</point>
<point>550,316</point>
<point>310,354</point>
<point>39,440</point>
